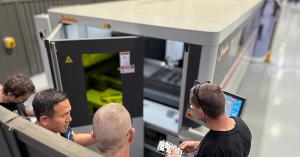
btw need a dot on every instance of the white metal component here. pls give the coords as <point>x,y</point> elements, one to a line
<point>202,22</point>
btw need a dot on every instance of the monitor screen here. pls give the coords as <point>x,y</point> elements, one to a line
<point>233,104</point>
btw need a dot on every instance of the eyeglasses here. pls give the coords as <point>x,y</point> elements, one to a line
<point>191,106</point>
<point>197,85</point>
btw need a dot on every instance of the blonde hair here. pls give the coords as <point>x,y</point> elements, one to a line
<point>111,124</point>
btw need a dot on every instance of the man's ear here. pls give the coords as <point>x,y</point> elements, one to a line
<point>203,114</point>
<point>200,112</point>
<point>198,109</point>
<point>44,121</point>
<point>131,135</point>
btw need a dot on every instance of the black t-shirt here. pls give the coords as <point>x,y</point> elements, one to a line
<point>233,143</point>
<point>18,108</point>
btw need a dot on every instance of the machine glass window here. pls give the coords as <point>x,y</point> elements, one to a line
<point>103,79</point>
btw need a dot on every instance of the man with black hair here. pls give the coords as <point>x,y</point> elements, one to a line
<point>53,112</point>
<point>228,137</point>
<point>14,92</point>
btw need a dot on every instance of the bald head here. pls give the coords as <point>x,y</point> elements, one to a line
<point>111,125</point>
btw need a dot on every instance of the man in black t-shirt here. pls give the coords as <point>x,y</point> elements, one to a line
<point>228,137</point>
<point>14,92</point>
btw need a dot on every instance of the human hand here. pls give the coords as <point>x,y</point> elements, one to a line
<point>172,154</point>
<point>189,146</point>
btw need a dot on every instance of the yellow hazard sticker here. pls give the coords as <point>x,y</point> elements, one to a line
<point>69,60</point>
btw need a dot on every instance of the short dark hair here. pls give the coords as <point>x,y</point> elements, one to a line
<point>44,102</point>
<point>18,85</point>
<point>210,98</point>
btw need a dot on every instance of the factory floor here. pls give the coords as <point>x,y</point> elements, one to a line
<point>273,92</point>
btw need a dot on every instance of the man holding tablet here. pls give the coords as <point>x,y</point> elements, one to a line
<point>228,136</point>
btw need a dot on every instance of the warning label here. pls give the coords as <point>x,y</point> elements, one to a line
<point>125,66</point>
<point>127,69</point>
<point>124,58</point>
<point>69,60</point>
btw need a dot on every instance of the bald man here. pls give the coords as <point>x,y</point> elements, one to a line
<point>113,131</point>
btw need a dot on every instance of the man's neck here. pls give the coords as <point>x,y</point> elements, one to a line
<point>122,152</point>
<point>223,123</point>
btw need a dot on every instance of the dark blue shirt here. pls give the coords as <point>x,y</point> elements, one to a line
<point>68,134</point>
